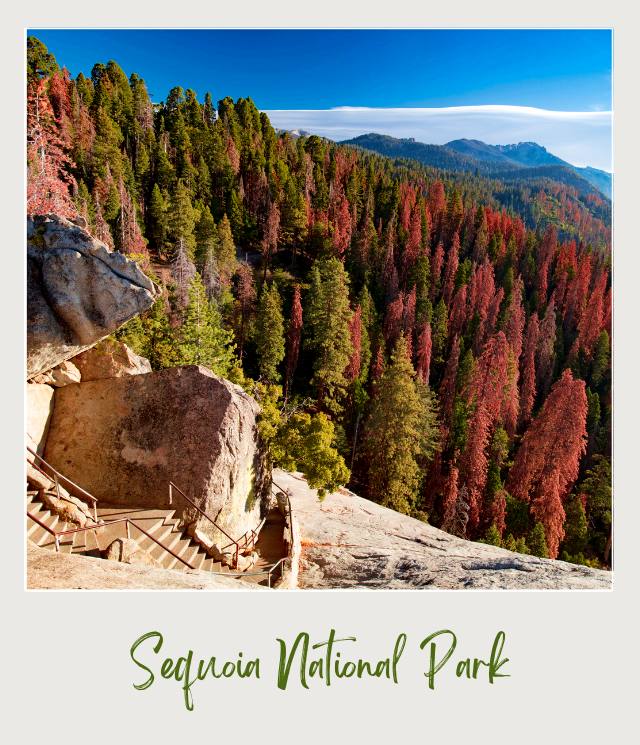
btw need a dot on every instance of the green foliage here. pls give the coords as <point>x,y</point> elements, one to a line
<point>226,248</point>
<point>151,336</point>
<point>575,527</point>
<point>182,218</point>
<point>537,542</point>
<point>492,536</point>
<point>202,339</point>
<point>517,517</point>
<point>269,334</point>
<point>327,322</point>
<point>40,61</point>
<point>306,443</point>
<point>401,433</point>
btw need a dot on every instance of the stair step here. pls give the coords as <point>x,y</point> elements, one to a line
<point>179,547</point>
<point>199,558</point>
<point>190,554</point>
<point>164,535</point>
<point>207,565</point>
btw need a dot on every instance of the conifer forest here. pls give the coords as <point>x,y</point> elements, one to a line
<point>439,341</point>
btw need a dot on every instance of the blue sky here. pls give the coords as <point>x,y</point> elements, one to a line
<point>309,77</point>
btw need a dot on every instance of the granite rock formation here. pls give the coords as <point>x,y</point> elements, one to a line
<point>78,291</point>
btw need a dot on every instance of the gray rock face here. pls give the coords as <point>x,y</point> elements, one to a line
<point>350,542</point>
<point>124,439</point>
<point>78,291</point>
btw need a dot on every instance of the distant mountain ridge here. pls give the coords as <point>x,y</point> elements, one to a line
<point>523,160</point>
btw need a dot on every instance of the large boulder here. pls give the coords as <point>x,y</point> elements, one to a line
<point>78,291</point>
<point>124,439</point>
<point>39,410</point>
<point>110,359</point>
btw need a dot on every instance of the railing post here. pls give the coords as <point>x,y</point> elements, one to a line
<point>57,540</point>
<point>128,529</point>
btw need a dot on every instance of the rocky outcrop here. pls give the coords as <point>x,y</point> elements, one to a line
<point>350,542</point>
<point>124,439</point>
<point>78,291</point>
<point>110,359</point>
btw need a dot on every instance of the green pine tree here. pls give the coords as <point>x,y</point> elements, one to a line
<point>537,541</point>
<point>492,536</point>
<point>182,218</point>
<point>269,334</point>
<point>327,319</point>
<point>202,339</point>
<point>401,433</point>
<point>226,248</point>
<point>157,219</point>
<point>206,236</point>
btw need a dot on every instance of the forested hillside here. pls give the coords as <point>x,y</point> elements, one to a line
<point>437,339</point>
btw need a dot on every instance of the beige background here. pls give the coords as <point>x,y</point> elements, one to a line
<point>66,671</point>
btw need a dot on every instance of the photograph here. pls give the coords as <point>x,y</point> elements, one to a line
<point>318,309</point>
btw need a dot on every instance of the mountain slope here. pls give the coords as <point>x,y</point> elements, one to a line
<point>529,155</point>
<point>524,161</point>
<point>436,156</point>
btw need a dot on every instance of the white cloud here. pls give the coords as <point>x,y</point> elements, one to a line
<point>579,137</point>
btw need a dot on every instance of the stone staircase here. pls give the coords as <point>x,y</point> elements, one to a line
<point>269,548</point>
<point>159,523</point>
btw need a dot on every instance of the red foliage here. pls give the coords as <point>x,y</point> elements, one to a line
<point>355,327</point>
<point>528,386</point>
<point>271,233</point>
<point>458,313</point>
<point>546,464</point>
<point>449,498</point>
<point>490,383</point>
<point>414,241</point>
<point>451,268</point>
<point>492,313</point>
<point>437,203</point>
<point>475,462</point>
<point>448,385</point>
<point>546,347</point>
<point>378,366</point>
<point>341,216</point>
<point>293,337</point>
<point>233,155</point>
<point>393,321</point>
<point>409,317</point>
<point>424,354</point>
<point>515,320</point>
<point>130,240</point>
<point>436,267</point>
<point>48,178</point>
<point>592,321</point>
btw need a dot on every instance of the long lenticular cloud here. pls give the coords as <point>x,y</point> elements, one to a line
<point>579,137</point>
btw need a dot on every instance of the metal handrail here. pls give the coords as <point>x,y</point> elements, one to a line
<point>210,519</point>
<point>289,510</point>
<point>57,475</point>
<point>253,533</point>
<point>267,570</point>
<point>58,533</point>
